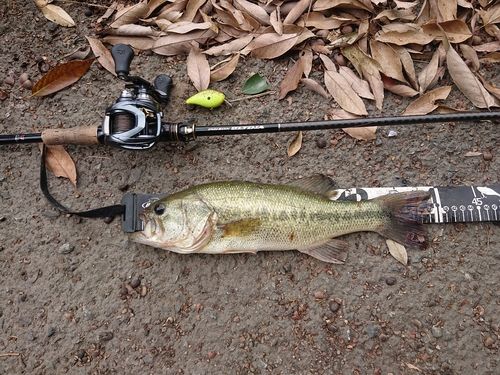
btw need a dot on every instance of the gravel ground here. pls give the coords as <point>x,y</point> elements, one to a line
<point>77,297</point>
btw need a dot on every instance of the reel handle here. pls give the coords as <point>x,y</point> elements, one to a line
<point>122,55</point>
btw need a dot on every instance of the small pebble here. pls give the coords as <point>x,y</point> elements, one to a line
<point>437,332</point>
<point>489,341</point>
<point>319,294</point>
<point>66,248</point>
<point>334,306</point>
<point>134,284</point>
<point>80,353</point>
<point>49,213</point>
<point>108,219</point>
<point>321,143</point>
<point>9,81</point>
<point>88,12</point>
<point>50,331</point>
<point>390,280</point>
<point>105,336</point>
<point>123,187</point>
<point>211,355</point>
<point>373,330</point>
<point>487,155</point>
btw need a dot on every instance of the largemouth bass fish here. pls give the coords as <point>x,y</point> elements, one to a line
<point>246,217</point>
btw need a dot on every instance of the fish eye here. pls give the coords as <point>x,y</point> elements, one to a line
<point>159,209</point>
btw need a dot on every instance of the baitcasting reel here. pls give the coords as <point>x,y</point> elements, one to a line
<point>134,121</point>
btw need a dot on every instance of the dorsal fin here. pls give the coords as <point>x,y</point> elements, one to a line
<point>317,183</point>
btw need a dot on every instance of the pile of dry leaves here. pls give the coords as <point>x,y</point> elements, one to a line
<point>351,37</point>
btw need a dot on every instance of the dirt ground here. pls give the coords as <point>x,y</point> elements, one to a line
<point>77,297</point>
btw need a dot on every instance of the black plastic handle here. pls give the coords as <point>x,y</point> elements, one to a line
<point>122,55</point>
<point>163,84</point>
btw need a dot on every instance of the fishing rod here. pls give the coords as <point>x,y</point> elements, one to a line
<point>134,122</point>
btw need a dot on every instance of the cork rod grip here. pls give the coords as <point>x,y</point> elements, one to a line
<point>77,136</point>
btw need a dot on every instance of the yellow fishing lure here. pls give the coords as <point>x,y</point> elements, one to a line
<point>207,98</point>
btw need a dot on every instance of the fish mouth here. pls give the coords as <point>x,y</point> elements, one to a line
<point>150,228</point>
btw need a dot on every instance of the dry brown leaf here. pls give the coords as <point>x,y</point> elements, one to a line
<point>230,48</point>
<point>174,44</point>
<point>359,85</point>
<point>493,57</point>
<point>55,13</point>
<point>408,66</point>
<point>173,11</point>
<point>297,11</point>
<point>366,133</point>
<point>275,21</point>
<point>395,14</point>
<point>402,34</point>
<point>295,145</point>
<point>427,102</point>
<point>428,74</point>
<point>184,27</point>
<point>270,46</point>
<point>392,66</point>
<point>488,47</point>
<point>256,11</point>
<point>319,21</point>
<point>191,9</point>
<point>136,42</point>
<point>456,30</point>
<point>398,251</point>
<point>320,5</point>
<point>135,31</point>
<point>470,54</point>
<point>61,77</point>
<point>495,91</point>
<point>109,12</point>
<point>315,86</point>
<point>465,80</point>
<point>225,71</point>
<point>343,93</point>
<point>60,162</point>
<point>328,62</point>
<point>103,55</point>
<point>234,17</point>
<point>377,86</point>
<point>447,9</point>
<point>291,79</point>
<point>153,5</point>
<point>130,15</point>
<point>198,68</point>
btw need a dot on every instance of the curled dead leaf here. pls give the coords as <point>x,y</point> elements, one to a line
<point>398,251</point>
<point>102,54</point>
<point>226,70</point>
<point>427,102</point>
<point>198,68</point>
<point>295,145</point>
<point>55,13</point>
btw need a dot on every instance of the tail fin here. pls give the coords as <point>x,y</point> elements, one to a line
<point>404,212</point>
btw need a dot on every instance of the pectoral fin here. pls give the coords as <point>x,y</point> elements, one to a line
<point>331,252</point>
<point>240,228</point>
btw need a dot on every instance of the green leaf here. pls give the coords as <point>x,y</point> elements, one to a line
<point>255,85</point>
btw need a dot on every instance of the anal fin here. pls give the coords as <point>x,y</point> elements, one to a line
<point>334,251</point>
